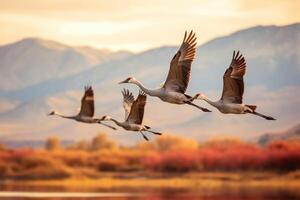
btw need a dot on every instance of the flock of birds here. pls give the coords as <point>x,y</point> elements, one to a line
<point>173,91</point>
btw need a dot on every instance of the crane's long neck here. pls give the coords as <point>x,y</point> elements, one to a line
<point>63,116</point>
<point>116,122</point>
<point>146,90</point>
<point>213,103</point>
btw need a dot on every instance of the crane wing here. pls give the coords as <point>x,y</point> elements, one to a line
<point>180,66</point>
<point>87,102</point>
<point>233,83</point>
<point>137,109</point>
<point>128,100</point>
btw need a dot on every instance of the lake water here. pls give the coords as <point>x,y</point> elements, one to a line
<point>10,192</point>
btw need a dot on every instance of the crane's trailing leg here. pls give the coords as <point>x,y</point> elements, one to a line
<point>99,122</point>
<point>156,133</point>
<point>199,107</point>
<point>144,136</point>
<point>264,116</point>
<point>261,115</point>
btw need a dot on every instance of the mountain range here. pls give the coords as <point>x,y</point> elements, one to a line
<point>24,63</point>
<point>39,75</point>
<point>292,133</point>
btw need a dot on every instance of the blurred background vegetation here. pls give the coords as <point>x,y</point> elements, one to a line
<point>164,155</point>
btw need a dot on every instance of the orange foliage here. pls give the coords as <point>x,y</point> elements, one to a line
<point>228,156</point>
<point>158,156</point>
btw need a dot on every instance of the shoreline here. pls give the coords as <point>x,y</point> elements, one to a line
<point>191,181</point>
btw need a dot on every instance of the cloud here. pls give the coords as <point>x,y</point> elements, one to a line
<point>135,25</point>
<point>7,105</point>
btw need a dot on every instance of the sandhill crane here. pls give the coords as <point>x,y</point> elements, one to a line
<point>86,111</point>
<point>233,89</point>
<point>134,113</point>
<point>173,90</point>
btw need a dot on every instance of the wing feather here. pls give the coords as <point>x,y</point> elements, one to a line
<point>128,100</point>
<point>137,109</point>
<point>87,102</point>
<point>233,82</point>
<point>180,66</point>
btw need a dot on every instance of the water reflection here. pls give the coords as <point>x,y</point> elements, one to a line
<point>232,194</point>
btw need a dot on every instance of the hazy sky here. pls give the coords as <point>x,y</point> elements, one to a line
<point>134,24</point>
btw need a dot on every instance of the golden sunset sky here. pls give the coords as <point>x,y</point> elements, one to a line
<point>134,24</point>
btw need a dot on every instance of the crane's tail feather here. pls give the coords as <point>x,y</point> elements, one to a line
<point>147,127</point>
<point>252,107</point>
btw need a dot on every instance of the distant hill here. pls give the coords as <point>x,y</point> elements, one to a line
<point>34,60</point>
<point>14,144</point>
<point>272,80</point>
<point>292,133</point>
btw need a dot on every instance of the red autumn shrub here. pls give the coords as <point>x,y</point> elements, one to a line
<point>19,154</point>
<point>151,161</point>
<point>283,155</point>
<point>173,161</point>
<point>209,158</point>
<point>215,155</point>
<point>242,159</point>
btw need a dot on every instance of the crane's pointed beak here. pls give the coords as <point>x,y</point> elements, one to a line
<point>51,113</point>
<point>123,82</point>
<point>102,118</point>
